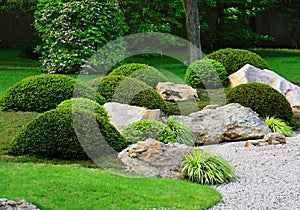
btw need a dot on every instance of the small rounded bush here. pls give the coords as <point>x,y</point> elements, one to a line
<point>43,92</point>
<point>85,103</point>
<point>206,74</point>
<point>206,168</point>
<point>261,98</point>
<point>151,76</point>
<point>131,91</point>
<point>234,59</point>
<point>145,129</point>
<point>53,135</point>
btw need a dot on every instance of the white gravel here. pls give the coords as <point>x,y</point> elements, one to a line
<point>266,177</point>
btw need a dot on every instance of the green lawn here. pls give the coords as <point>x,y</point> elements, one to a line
<point>73,187</point>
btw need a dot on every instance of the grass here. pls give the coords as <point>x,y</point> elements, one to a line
<point>73,187</point>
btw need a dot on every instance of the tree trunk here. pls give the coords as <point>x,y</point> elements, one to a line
<point>192,29</point>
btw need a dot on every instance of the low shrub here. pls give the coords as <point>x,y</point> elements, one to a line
<point>234,59</point>
<point>150,75</point>
<point>43,92</point>
<point>145,129</point>
<point>279,126</point>
<point>183,134</point>
<point>85,103</point>
<point>262,99</point>
<point>206,73</point>
<point>131,91</point>
<point>206,168</point>
<point>53,135</point>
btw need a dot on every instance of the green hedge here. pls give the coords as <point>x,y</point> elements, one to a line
<point>53,135</point>
<point>261,98</point>
<point>234,59</point>
<point>43,92</point>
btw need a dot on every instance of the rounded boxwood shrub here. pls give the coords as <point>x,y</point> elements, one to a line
<point>145,129</point>
<point>53,135</point>
<point>261,98</point>
<point>131,91</point>
<point>150,75</point>
<point>43,92</point>
<point>234,59</point>
<point>85,103</point>
<point>206,74</point>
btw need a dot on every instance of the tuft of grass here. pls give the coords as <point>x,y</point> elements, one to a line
<point>206,168</point>
<point>183,134</point>
<point>73,187</point>
<point>279,126</point>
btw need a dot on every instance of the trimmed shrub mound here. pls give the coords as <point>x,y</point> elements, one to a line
<point>85,103</point>
<point>145,129</point>
<point>206,74</point>
<point>52,135</point>
<point>234,59</point>
<point>43,92</point>
<point>151,76</point>
<point>131,91</point>
<point>261,98</point>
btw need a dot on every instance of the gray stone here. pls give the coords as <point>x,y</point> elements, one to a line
<point>6,204</point>
<point>155,159</point>
<point>121,115</point>
<point>176,92</point>
<point>215,124</point>
<point>250,73</point>
<point>273,138</point>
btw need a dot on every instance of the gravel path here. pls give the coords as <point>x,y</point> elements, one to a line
<point>267,177</point>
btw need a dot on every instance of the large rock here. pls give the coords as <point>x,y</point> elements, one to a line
<point>121,115</point>
<point>250,73</point>
<point>215,124</point>
<point>176,92</point>
<point>155,159</point>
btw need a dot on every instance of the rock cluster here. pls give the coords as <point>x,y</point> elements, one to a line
<point>6,204</point>
<point>155,159</point>
<point>215,124</point>
<point>269,139</point>
<point>250,73</point>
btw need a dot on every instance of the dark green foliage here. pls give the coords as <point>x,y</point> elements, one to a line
<point>145,129</point>
<point>131,91</point>
<point>151,76</point>
<point>206,73</point>
<point>206,168</point>
<point>43,92</point>
<point>261,98</point>
<point>85,103</point>
<point>234,59</point>
<point>53,135</point>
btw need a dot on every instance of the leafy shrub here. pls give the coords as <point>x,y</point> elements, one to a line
<point>43,92</point>
<point>182,107</point>
<point>182,132</point>
<point>72,31</point>
<point>206,168</point>
<point>151,76</point>
<point>145,129</point>
<point>85,103</point>
<point>279,126</point>
<point>53,135</point>
<point>234,59</point>
<point>206,73</point>
<point>131,91</point>
<point>262,99</point>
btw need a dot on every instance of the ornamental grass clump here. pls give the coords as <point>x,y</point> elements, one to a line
<point>183,134</point>
<point>279,126</point>
<point>206,168</point>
